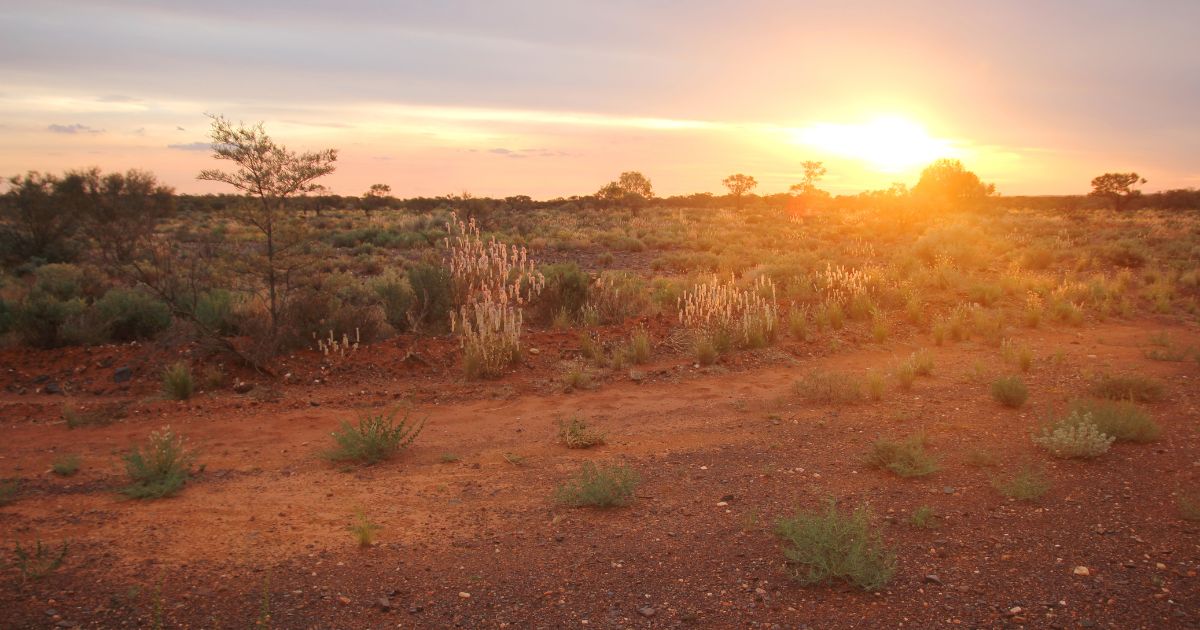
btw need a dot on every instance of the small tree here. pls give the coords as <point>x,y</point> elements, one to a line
<point>631,188</point>
<point>1117,188</point>
<point>377,196</point>
<point>120,210</point>
<point>36,221</point>
<point>806,192</point>
<point>270,176</point>
<point>947,184</point>
<point>739,185</point>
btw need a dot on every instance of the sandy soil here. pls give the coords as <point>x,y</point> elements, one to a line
<point>723,452</point>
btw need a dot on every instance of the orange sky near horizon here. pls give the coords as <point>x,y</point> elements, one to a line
<point>556,99</point>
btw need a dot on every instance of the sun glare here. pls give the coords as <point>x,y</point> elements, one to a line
<point>889,143</point>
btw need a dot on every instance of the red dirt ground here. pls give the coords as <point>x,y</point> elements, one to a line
<point>723,452</point>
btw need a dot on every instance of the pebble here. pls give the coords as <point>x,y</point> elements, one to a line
<point>464,595</point>
<point>1082,570</point>
<point>646,611</point>
<point>343,599</point>
<point>933,579</point>
<point>384,604</point>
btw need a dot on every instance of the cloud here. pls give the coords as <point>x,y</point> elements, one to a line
<point>72,129</point>
<point>506,152</point>
<point>191,146</point>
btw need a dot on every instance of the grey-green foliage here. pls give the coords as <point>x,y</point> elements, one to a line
<point>829,544</point>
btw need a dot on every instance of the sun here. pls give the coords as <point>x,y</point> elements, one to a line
<point>890,144</point>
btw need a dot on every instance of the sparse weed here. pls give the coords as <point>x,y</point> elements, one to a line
<point>1128,387</point>
<point>906,458</point>
<point>363,529</point>
<point>39,561</point>
<point>1120,419</point>
<point>829,545</point>
<point>575,433</point>
<point>160,468</point>
<point>65,465</point>
<point>924,517</point>
<point>1026,484</point>
<point>821,386</point>
<point>576,377</point>
<point>376,438</point>
<point>599,486</point>
<point>9,490</point>
<point>639,347</point>
<point>449,458</point>
<point>177,381</point>
<point>1010,391</point>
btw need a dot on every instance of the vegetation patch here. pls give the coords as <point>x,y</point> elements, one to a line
<point>906,458</point>
<point>1010,391</point>
<point>821,386</point>
<point>1026,484</point>
<point>178,383</point>
<point>826,545</point>
<point>1128,387</point>
<point>575,433</point>
<point>1076,436</point>
<point>374,439</point>
<point>1121,419</point>
<point>609,485</point>
<point>159,468</point>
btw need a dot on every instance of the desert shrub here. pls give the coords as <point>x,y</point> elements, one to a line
<point>216,311</point>
<point>376,438</point>
<point>639,346</point>
<point>874,385</point>
<point>1026,484</point>
<point>8,491</point>
<point>1127,254</point>
<point>60,281</point>
<point>906,458</point>
<point>432,296</point>
<point>748,318</point>
<point>798,323</point>
<point>829,545</point>
<point>820,386</point>
<point>396,297</point>
<point>575,433</point>
<point>923,517</point>
<point>706,351</point>
<point>40,318</point>
<point>363,529</point>
<point>921,362</point>
<point>616,296</point>
<point>6,316</point>
<point>1075,436</point>
<point>905,375</point>
<point>40,561</point>
<point>609,485</point>
<point>159,468</point>
<point>1128,387</point>
<point>65,465</point>
<point>128,314</point>
<point>1010,391</point>
<point>178,383</point>
<point>576,376</point>
<point>102,414</point>
<point>490,334</point>
<point>566,291</point>
<point>1120,419</point>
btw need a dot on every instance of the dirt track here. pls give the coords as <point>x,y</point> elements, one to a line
<point>722,453</point>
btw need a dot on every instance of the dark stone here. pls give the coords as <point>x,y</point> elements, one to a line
<point>123,374</point>
<point>53,388</point>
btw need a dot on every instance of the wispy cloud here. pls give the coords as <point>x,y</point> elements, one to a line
<point>73,129</point>
<point>191,146</point>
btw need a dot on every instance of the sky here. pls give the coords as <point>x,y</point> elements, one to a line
<point>555,98</point>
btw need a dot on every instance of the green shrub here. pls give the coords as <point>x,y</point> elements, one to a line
<point>1027,484</point>
<point>639,346</point>
<point>178,383</point>
<point>396,297</point>
<point>40,561</point>
<point>128,314</point>
<point>433,296</point>
<point>829,545</point>
<point>9,490</point>
<point>566,291</point>
<point>599,486</point>
<point>1128,387</point>
<point>215,311</point>
<point>923,517</point>
<point>821,386</point>
<point>906,375</point>
<point>706,350</point>
<point>159,468</point>
<point>575,433</point>
<point>1121,419</point>
<point>39,320</point>
<point>906,458</point>
<point>363,529</point>
<point>65,465</point>
<point>375,439</point>
<point>1075,436</point>
<point>60,281</point>
<point>1010,391</point>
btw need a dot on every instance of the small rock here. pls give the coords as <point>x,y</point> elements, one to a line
<point>53,388</point>
<point>534,351</point>
<point>123,374</point>
<point>343,599</point>
<point>464,595</point>
<point>242,387</point>
<point>933,579</point>
<point>1082,570</point>
<point>646,611</point>
<point>384,604</point>
<point>1015,610</point>
<point>948,489</point>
